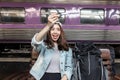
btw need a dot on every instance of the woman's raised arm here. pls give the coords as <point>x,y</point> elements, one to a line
<point>51,20</point>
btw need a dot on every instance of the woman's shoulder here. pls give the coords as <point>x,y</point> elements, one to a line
<point>69,49</point>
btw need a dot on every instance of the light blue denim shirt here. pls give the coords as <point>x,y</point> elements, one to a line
<point>43,60</point>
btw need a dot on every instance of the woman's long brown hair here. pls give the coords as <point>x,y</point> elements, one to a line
<point>62,43</point>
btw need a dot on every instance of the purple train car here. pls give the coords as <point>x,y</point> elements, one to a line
<point>98,23</point>
<point>19,21</point>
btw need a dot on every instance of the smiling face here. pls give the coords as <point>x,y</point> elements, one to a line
<point>55,32</point>
<point>56,35</point>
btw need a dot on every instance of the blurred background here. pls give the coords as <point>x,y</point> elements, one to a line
<point>18,68</point>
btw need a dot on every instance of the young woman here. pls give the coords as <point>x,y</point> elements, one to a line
<point>55,59</point>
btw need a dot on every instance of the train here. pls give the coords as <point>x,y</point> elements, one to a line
<point>20,21</point>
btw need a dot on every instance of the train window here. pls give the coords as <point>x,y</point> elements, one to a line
<point>12,15</point>
<point>44,12</point>
<point>113,16</point>
<point>92,16</point>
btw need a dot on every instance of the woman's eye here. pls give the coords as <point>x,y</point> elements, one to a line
<point>52,29</point>
<point>58,29</point>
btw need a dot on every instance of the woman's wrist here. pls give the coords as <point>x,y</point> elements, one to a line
<point>49,24</point>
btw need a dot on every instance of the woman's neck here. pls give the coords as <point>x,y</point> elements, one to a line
<point>55,45</point>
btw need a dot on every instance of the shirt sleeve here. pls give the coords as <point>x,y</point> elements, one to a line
<point>37,45</point>
<point>69,65</point>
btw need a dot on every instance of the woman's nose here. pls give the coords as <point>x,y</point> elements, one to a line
<point>55,31</point>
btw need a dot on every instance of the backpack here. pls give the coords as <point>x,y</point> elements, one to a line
<point>87,62</point>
